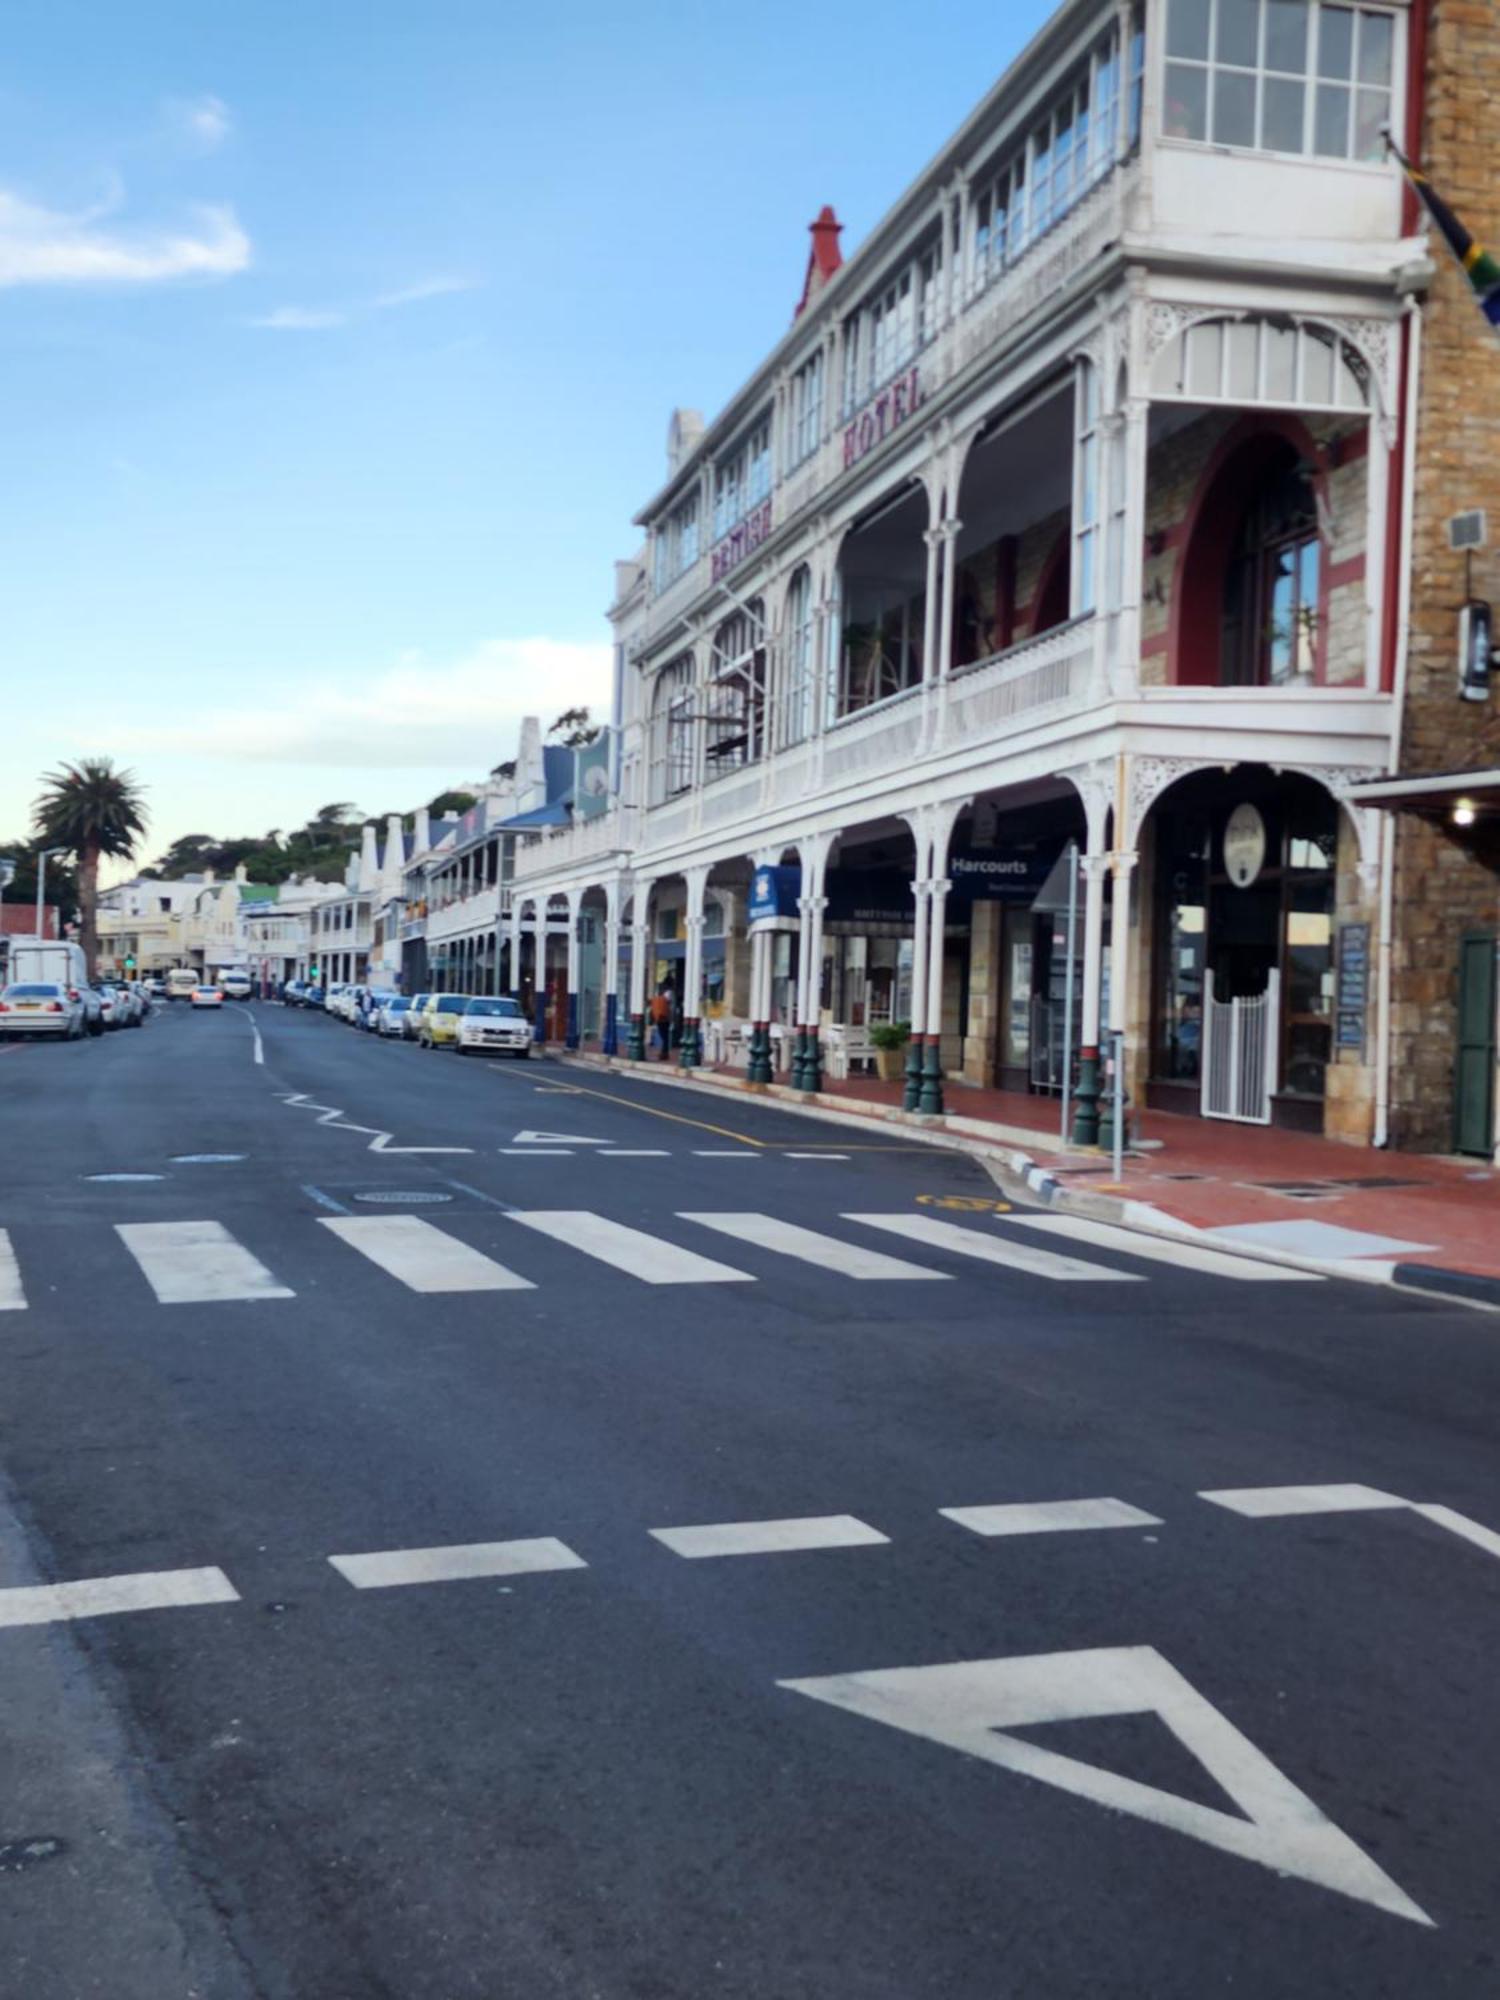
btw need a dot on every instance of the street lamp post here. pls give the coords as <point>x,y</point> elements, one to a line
<point>41,885</point>
<point>7,876</point>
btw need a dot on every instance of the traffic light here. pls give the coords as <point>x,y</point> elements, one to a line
<point>130,961</point>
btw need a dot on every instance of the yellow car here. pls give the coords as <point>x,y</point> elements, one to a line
<point>438,1027</point>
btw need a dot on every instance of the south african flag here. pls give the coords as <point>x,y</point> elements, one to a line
<point>1480,268</point>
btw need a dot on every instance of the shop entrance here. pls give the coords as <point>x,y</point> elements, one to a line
<point>1474,1069</point>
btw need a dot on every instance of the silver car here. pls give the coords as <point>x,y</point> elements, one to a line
<point>41,1008</point>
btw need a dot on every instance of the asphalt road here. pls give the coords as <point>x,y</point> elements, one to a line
<point>1166,1746</point>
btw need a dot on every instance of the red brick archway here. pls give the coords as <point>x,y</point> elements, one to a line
<point>1243,457</point>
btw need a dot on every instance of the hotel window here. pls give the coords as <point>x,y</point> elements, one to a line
<point>1086,490</point>
<point>672,730</point>
<point>892,331</point>
<point>736,694</point>
<point>743,480</point>
<point>851,395</point>
<point>797,692</point>
<point>930,294</point>
<point>677,542</point>
<point>1280,76</point>
<point>807,408</point>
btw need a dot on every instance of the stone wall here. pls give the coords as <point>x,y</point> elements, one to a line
<point>1442,890</point>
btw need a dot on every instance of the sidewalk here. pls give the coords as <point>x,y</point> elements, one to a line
<point>1405,1218</point>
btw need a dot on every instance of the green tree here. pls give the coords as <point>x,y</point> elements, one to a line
<point>575,728</point>
<point>61,886</point>
<point>448,803</point>
<point>91,809</point>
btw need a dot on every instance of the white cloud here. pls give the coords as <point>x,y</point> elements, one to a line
<point>43,246</point>
<point>318,319</point>
<point>302,319</point>
<point>205,121</point>
<point>417,713</point>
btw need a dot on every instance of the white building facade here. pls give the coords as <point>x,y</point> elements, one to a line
<point>1070,515</point>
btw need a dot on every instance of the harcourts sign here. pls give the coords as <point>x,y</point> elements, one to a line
<point>1014,875</point>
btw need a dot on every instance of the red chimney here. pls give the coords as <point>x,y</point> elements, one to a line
<point>823,259</point>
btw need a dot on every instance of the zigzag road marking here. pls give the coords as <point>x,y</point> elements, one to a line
<point>380,1142</point>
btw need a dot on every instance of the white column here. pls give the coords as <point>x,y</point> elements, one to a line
<point>1377,519</point>
<point>611,952</point>
<point>1094,867</point>
<point>950,532</point>
<point>692,982</point>
<point>575,998</point>
<point>1122,867</point>
<point>515,948</point>
<point>938,893</point>
<point>934,540</point>
<point>1134,444</point>
<point>921,890</point>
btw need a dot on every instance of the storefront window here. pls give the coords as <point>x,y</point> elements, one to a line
<point>1183,873</point>
<point>1309,977</point>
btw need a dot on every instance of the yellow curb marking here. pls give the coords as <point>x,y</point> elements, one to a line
<point>971,1204</point>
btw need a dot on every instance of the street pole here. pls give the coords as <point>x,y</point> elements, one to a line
<point>1118,1094</point>
<point>41,883</point>
<point>1067,1062</point>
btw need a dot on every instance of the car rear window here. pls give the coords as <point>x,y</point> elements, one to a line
<point>32,992</point>
<point>452,1003</point>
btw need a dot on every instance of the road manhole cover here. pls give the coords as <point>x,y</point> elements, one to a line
<point>403,1197</point>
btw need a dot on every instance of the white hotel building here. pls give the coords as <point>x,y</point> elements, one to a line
<point>1070,510</point>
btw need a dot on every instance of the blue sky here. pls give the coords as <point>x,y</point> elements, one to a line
<point>338,344</point>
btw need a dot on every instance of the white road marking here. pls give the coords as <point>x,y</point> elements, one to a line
<point>635,1153</point>
<point>970,1704</point>
<point>629,1250</point>
<point>1184,1255</point>
<point>424,1258</point>
<point>1048,1517</point>
<point>535,1152</point>
<point>736,1153</point>
<point>1264,1503</point>
<point>386,1568</point>
<point>554,1139</point>
<point>790,1239</point>
<point>815,1156</point>
<point>953,1236</point>
<point>99,1596</point>
<point>197,1263</point>
<point>1459,1524</point>
<point>769,1538</point>
<point>12,1291</point>
<point>381,1143</point>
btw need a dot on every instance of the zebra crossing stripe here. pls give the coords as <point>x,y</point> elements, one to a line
<point>197,1263</point>
<point>425,1259</point>
<point>101,1596</point>
<point>1185,1255</point>
<point>789,1239</point>
<point>12,1292</point>
<point>951,1236</point>
<point>648,1258</point>
<point>384,1569</point>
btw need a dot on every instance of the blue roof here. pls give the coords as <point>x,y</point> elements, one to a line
<point>555,814</point>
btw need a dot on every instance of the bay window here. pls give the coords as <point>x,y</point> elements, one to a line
<point>1280,76</point>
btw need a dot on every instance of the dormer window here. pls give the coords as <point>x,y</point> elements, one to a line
<point>1280,76</point>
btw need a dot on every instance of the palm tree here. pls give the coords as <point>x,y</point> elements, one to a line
<point>91,809</point>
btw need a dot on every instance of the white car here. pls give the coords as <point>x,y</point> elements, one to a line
<point>494,1024</point>
<point>235,985</point>
<point>411,1020</point>
<point>390,1016</point>
<point>207,996</point>
<point>41,1007</point>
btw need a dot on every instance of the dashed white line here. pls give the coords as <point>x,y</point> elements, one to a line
<point>634,1153</point>
<point>1049,1517</point>
<point>12,1291</point>
<point>101,1596</point>
<point>718,1153</point>
<point>386,1568</point>
<point>815,1156</point>
<point>1459,1524</point>
<point>535,1152</point>
<point>1263,1503</point>
<point>765,1538</point>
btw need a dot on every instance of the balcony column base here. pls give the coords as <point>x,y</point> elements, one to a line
<point>1086,1099</point>
<point>690,1049</point>
<point>539,1023</point>
<point>609,1043</point>
<point>572,1038</point>
<point>759,1070</point>
<point>930,1101</point>
<point>812,1065</point>
<point>635,1047</point>
<point>911,1094</point>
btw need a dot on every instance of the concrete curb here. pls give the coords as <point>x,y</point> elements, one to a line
<point>1017,1172</point>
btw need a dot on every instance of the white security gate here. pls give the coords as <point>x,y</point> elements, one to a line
<point>1240,1039</point>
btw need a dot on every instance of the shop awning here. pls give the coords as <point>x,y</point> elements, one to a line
<point>1465,804</point>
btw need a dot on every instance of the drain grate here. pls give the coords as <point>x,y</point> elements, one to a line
<point>403,1197</point>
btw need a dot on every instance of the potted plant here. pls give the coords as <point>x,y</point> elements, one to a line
<point>889,1042</point>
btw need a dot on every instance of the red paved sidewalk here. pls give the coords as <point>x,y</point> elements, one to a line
<point>1296,1193</point>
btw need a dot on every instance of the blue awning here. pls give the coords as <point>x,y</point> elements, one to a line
<point>555,814</point>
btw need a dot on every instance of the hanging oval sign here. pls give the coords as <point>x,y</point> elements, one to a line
<point>1244,845</point>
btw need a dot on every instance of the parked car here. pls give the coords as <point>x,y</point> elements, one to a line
<point>370,1006</point>
<point>117,1005</point>
<point>235,985</point>
<point>494,1024</point>
<point>438,1028</point>
<point>93,1008</point>
<point>411,1021</point>
<point>41,1007</point>
<point>390,1015</point>
<point>206,996</point>
<point>157,988</point>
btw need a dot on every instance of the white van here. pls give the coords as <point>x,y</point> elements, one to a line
<point>235,985</point>
<point>40,960</point>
